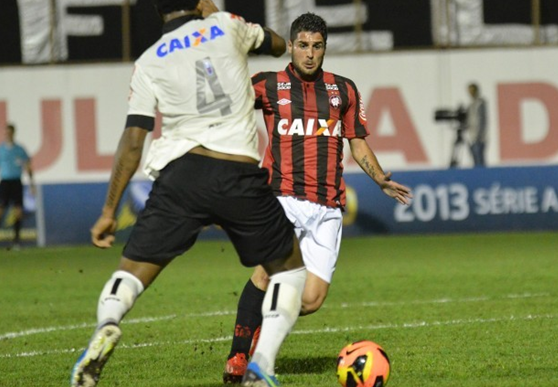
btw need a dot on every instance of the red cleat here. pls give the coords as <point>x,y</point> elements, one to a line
<point>235,369</point>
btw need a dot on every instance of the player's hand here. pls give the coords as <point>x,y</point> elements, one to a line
<point>395,190</point>
<point>102,232</point>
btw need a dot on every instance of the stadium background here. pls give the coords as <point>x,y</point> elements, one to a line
<point>66,64</point>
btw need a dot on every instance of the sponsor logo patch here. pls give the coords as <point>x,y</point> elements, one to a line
<point>193,40</point>
<point>284,101</point>
<point>283,85</point>
<point>310,127</point>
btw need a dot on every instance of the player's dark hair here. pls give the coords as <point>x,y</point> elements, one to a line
<point>11,127</point>
<point>308,22</point>
<point>168,6</point>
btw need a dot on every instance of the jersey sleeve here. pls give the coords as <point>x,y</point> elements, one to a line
<point>142,100</point>
<point>258,83</point>
<point>354,118</point>
<point>24,154</point>
<point>249,36</point>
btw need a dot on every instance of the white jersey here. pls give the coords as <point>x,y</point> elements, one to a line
<point>197,77</point>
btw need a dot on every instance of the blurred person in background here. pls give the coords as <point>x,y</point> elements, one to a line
<point>13,161</point>
<point>205,167</point>
<point>476,125</point>
<point>308,113</point>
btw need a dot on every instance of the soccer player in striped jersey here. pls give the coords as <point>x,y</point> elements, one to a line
<point>308,112</point>
<point>205,167</point>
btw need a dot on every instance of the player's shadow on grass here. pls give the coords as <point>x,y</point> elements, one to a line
<point>293,366</point>
<point>307,365</point>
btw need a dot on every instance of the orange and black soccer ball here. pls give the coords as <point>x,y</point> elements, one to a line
<point>363,364</point>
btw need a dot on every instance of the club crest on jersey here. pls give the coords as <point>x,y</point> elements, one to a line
<point>192,40</point>
<point>283,85</point>
<point>310,127</point>
<point>335,101</point>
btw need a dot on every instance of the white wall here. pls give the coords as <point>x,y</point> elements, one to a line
<point>401,91</point>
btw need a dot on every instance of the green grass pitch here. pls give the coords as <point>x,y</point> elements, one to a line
<point>450,310</point>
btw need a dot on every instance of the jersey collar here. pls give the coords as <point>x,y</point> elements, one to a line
<point>292,74</point>
<point>179,21</point>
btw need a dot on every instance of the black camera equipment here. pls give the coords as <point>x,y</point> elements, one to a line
<point>459,115</point>
<point>458,118</point>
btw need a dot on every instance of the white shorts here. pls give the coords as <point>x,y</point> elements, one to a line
<point>318,229</point>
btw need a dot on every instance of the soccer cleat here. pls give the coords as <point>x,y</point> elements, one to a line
<point>88,367</point>
<point>255,377</point>
<point>255,339</point>
<point>235,369</point>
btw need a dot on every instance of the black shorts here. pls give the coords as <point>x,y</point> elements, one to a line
<point>196,191</point>
<point>11,191</point>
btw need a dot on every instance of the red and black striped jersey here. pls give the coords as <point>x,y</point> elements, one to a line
<point>306,123</point>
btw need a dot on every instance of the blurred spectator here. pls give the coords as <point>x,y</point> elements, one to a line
<point>476,125</point>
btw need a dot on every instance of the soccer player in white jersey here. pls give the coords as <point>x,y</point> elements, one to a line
<point>205,167</point>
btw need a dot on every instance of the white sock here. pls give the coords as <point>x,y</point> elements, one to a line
<point>118,297</point>
<point>280,309</point>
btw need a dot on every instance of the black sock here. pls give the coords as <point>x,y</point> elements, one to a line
<point>248,318</point>
<point>17,229</point>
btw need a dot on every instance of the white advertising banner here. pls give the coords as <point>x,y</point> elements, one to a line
<point>70,117</point>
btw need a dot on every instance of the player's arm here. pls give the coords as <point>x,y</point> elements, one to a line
<point>272,44</point>
<point>278,44</point>
<point>482,120</point>
<point>139,122</point>
<point>368,161</point>
<point>255,38</point>
<point>126,162</point>
<point>29,170</point>
<point>207,8</point>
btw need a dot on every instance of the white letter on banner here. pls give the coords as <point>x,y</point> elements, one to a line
<point>461,23</point>
<point>338,15</point>
<point>531,200</point>
<point>35,21</point>
<point>480,197</point>
<point>549,200</point>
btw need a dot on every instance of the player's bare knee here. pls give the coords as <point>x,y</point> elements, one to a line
<point>259,278</point>
<point>311,304</point>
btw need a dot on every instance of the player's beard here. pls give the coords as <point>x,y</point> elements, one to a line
<point>308,74</point>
